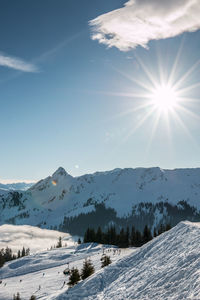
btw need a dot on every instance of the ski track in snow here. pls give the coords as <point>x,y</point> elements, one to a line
<point>25,275</point>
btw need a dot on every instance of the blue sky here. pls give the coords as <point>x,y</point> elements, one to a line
<point>67,100</point>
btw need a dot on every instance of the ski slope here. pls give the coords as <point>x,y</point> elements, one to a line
<point>41,274</point>
<point>166,268</point>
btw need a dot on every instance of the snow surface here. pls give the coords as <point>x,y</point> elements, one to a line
<point>41,274</point>
<point>166,268</point>
<point>47,202</point>
<point>37,239</point>
<point>119,189</point>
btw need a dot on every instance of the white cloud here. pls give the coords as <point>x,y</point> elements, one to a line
<point>17,64</point>
<point>140,21</point>
<point>37,239</point>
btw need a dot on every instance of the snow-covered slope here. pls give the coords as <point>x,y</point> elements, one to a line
<point>166,268</point>
<point>41,274</point>
<point>16,237</point>
<point>121,196</point>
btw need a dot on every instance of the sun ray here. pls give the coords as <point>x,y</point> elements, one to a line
<point>176,61</point>
<point>131,111</point>
<point>189,112</point>
<point>134,80</point>
<point>186,75</point>
<point>181,123</point>
<point>189,88</point>
<point>160,66</point>
<point>154,128</point>
<point>162,96</point>
<point>141,122</point>
<point>120,94</point>
<point>147,72</point>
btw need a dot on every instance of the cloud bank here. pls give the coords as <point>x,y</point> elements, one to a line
<point>37,239</point>
<point>140,21</point>
<point>16,63</point>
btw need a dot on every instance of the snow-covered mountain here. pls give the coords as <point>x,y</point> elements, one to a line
<point>121,196</point>
<point>165,268</point>
<point>23,186</point>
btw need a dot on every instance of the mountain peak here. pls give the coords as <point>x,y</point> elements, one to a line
<point>60,172</point>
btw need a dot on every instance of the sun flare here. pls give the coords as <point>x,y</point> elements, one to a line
<point>164,97</point>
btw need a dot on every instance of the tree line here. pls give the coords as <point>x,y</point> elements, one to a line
<point>125,237</point>
<point>7,255</point>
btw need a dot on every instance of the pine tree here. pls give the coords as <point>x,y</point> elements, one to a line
<point>23,253</point>
<point>18,254</point>
<point>133,237</point>
<point>168,227</point>
<point>154,232</point>
<point>8,254</point>
<point>161,229</point>
<point>74,277</point>
<point>17,297</point>
<point>113,235</point>
<point>138,239</point>
<point>79,241</point>
<point>59,244</point>
<point>33,297</point>
<point>92,235</point>
<point>87,236</point>
<point>99,236</point>
<point>146,235</point>
<point>122,238</point>
<point>2,259</point>
<point>105,261</point>
<point>127,236</point>
<point>14,257</point>
<point>27,252</point>
<point>88,269</point>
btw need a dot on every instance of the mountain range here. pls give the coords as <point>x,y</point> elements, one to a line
<point>23,186</point>
<point>121,197</point>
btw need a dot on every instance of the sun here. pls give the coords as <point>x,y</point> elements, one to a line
<point>164,97</point>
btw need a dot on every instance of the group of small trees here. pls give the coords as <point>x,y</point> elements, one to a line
<point>87,270</point>
<point>59,243</point>
<point>124,238</point>
<point>7,255</point>
<point>17,297</point>
<point>105,261</point>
